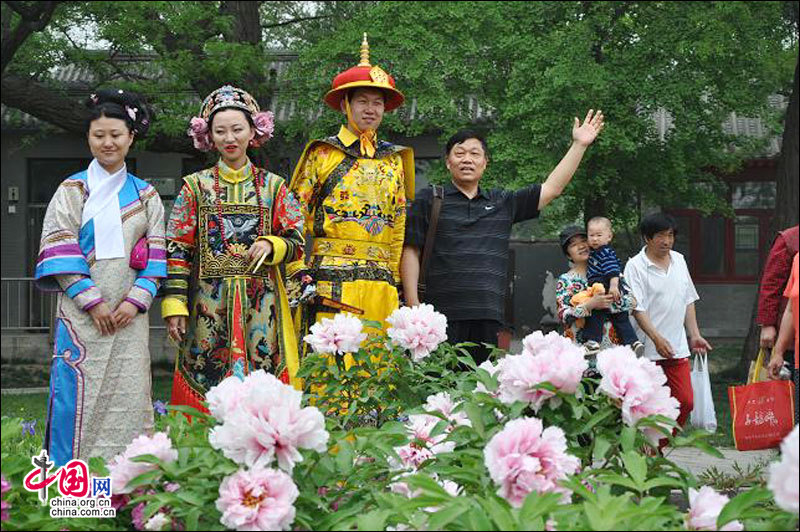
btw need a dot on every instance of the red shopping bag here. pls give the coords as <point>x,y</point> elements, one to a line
<point>762,413</point>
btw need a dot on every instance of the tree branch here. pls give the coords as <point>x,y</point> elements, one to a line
<point>293,21</point>
<point>43,102</point>
<point>33,19</point>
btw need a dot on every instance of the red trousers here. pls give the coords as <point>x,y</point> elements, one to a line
<point>679,380</point>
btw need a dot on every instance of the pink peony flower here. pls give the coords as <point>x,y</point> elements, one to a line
<point>269,423</point>
<point>137,515</point>
<point>550,358</point>
<point>638,385</point>
<point>443,403</point>
<point>419,329</point>
<point>123,470</point>
<point>423,445</point>
<point>201,137</point>
<point>265,125</point>
<point>119,501</point>
<point>523,458</point>
<point>784,478</point>
<point>257,499</point>
<point>623,377</point>
<point>224,398</point>
<point>537,342</point>
<point>411,456</point>
<point>660,402</point>
<point>704,508</point>
<point>158,522</point>
<point>342,334</point>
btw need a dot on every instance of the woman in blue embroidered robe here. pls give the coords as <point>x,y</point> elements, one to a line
<point>100,375</point>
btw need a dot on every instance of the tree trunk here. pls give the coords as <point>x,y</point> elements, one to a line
<point>786,205</point>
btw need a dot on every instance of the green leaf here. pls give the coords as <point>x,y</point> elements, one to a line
<point>537,506</point>
<point>475,415</point>
<point>191,497</point>
<point>598,417</point>
<point>627,438</point>
<point>344,458</point>
<point>448,513</point>
<point>145,478</point>
<point>498,512</point>
<point>372,324</point>
<point>636,466</point>
<point>659,482</point>
<point>601,447</point>
<point>374,520</point>
<point>192,519</point>
<point>737,508</point>
<point>147,458</point>
<point>619,480</point>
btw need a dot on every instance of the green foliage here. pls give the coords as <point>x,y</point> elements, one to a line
<point>536,65</point>
<point>381,382</point>
<point>531,66</point>
<point>622,483</point>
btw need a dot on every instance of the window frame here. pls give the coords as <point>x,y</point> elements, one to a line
<point>759,170</point>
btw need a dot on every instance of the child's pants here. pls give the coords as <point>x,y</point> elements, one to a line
<point>593,326</point>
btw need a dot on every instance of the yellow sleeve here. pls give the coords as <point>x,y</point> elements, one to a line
<point>172,306</point>
<point>399,231</point>
<point>279,248</point>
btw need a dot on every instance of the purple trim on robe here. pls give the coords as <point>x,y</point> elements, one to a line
<point>136,303</point>
<point>93,303</point>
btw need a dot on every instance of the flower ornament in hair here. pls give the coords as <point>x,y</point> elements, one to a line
<point>94,98</point>
<point>198,130</point>
<point>131,112</point>
<point>264,123</point>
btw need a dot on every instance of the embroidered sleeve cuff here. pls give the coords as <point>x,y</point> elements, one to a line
<point>88,306</point>
<point>171,306</point>
<point>136,304</point>
<point>88,298</point>
<point>140,297</point>
<point>279,248</point>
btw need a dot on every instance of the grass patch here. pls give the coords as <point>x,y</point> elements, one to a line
<point>34,406</point>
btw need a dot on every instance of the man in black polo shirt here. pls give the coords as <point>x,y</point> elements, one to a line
<point>466,277</point>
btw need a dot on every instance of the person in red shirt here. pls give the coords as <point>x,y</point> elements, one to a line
<point>773,282</point>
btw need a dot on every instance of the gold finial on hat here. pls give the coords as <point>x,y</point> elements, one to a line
<point>364,52</point>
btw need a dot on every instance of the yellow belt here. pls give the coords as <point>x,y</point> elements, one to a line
<point>352,249</point>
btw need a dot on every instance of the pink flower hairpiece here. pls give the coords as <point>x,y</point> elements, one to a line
<point>264,123</point>
<point>198,130</point>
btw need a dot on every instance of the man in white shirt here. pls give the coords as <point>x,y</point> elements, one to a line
<point>665,313</point>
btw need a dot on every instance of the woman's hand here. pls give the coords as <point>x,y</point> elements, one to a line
<point>775,364</point>
<point>599,301</point>
<point>125,313</point>
<point>176,327</point>
<point>259,249</point>
<point>103,319</point>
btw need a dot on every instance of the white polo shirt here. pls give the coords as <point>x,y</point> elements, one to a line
<point>664,295</point>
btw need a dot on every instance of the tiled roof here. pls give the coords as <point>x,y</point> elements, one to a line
<point>78,79</point>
